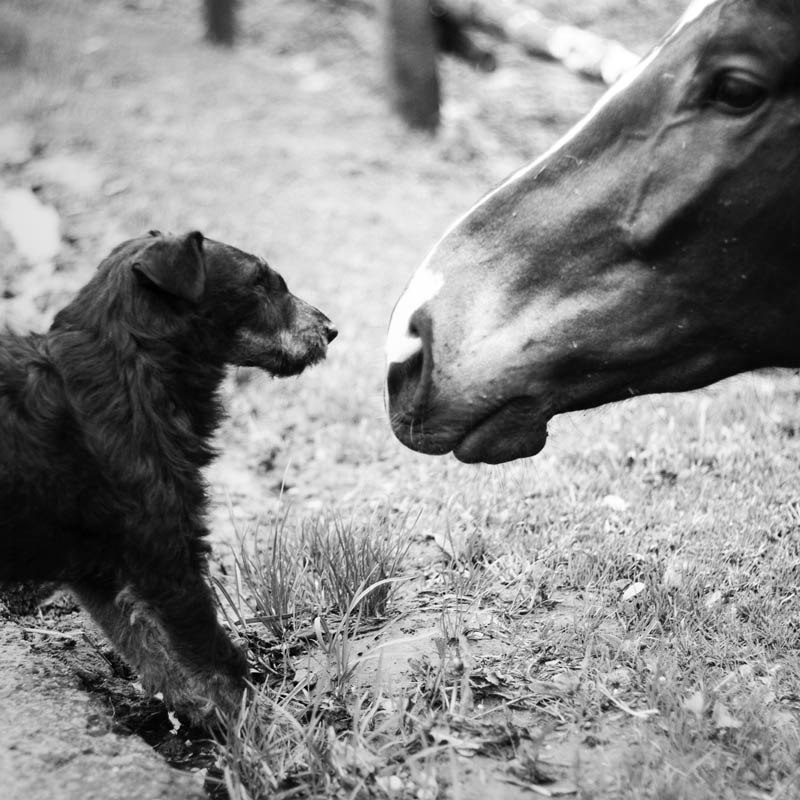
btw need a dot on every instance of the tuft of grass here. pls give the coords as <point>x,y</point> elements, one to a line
<point>354,559</point>
<point>274,747</point>
<point>311,586</point>
<point>286,579</point>
<point>273,582</point>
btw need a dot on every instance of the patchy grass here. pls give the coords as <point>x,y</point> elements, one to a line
<point>617,618</point>
<point>635,644</point>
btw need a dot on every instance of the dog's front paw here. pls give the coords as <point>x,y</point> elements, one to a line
<point>207,703</point>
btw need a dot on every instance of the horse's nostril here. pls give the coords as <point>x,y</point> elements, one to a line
<point>419,326</point>
<point>402,377</point>
<point>408,381</point>
<point>331,332</point>
<point>406,388</point>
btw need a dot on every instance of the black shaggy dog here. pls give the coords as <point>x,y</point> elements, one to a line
<point>105,424</point>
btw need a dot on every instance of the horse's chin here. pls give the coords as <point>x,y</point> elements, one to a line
<point>516,430</point>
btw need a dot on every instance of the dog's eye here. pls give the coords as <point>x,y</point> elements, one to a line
<point>261,276</point>
<point>274,283</point>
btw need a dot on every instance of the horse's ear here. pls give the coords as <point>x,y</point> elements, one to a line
<point>176,265</point>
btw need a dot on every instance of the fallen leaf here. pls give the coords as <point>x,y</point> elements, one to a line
<point>558,789</point>
<point>567,682</point>
<point>391,784</point>
<point>632,591</point>
<point>349,757</point>
<point>674,575</point>
<point>638,713</point>
<point>722,718</point>
<point>694,703</point>
<point>304,677</point>
<point>441,734</point>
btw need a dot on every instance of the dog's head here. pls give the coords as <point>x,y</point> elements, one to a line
<point>232,302</point>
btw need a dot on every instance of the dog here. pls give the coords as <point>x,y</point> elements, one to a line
<point>105,427</point>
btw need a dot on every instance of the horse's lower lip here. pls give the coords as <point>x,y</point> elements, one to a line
<point>516,430</point>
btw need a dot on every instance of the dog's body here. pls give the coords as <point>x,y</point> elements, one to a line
<point>105,424</point>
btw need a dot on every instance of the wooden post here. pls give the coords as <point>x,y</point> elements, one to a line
<point>220,18</point>
<point>410,59</point>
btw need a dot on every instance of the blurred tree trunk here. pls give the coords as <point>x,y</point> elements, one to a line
<point>13,40</point>
<point>220,21</point>
<point>518,22</point>
<point>410,49</point>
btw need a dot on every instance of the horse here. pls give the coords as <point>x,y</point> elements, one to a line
<point>654,248</point>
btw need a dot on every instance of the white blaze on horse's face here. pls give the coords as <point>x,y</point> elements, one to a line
<point>403,342</point>
<point>652,248</point>
<point>693,11</point>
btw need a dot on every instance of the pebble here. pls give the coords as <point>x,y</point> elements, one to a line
<point>34,228</point>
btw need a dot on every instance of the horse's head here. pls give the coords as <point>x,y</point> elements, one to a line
<point>656,247</point>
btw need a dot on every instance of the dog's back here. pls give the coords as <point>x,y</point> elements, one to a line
<point>40,530</point>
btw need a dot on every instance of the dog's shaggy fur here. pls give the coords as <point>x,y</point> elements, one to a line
<point>105,426</point>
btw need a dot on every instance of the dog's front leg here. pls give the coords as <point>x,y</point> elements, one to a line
<point>171,637</point>
<point>133,630</point>
<point>185,609</point>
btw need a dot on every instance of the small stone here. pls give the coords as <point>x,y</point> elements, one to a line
<point>16,144</point>
<point>615,503</point>
<point>34,228</point>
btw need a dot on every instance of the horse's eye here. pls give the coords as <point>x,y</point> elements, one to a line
<point>737,93</point>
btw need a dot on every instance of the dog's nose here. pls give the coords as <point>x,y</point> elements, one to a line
<point>331,332</point>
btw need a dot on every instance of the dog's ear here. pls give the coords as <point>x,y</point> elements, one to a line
<point>176,265</point>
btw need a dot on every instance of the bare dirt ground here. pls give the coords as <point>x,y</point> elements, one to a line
<point>60,737</point>
<point>124,120</point>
